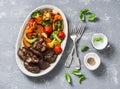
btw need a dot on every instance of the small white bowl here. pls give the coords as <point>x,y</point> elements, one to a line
<point>99,45</point>
<point>96,60</point>
<point>20,37</point>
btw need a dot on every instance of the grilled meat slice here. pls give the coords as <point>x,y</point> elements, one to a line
<point>32,68</point>
<point>50,56</point>
<point>43,64</point>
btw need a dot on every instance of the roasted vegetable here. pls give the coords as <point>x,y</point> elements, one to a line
<point>61,35</point>
<point>26,43</point>
<point>54,35</point>
<point>40,30</point>
<point>47,29</point>
<point>46,23</point>
<point>46,16</point>
<point>57,49</point>
<point>57,17</point>
<point>53,43</point>
<point>59,25</point>
<point>36,14</point>
<point>30,40</point>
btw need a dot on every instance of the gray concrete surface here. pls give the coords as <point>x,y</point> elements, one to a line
<point>12,15</point>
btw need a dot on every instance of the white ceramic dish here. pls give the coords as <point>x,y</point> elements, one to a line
<point>99,45</point>
<point>96,59</point>
<point>20,36</point>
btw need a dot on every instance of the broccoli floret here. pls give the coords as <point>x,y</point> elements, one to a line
<point>36,14</point>
<point>54,35</point>
<point>59,25</point>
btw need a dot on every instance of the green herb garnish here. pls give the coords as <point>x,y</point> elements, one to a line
<point>91,17</point>
<point>98,39</point>
<point>84,48</point>
<point>76,72</point>
<point>84,12</point>
<point>81,78</point>
<point>68,77</point>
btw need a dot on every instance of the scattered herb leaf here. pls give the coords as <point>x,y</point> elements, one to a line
<point>85,11</point>
<point>91,17</point>
<point>84,48</point>
<point>82,16</point>
<point>81,78</point>
<point>76,72</point>
<point>98,39</point>
<point>68,77</point>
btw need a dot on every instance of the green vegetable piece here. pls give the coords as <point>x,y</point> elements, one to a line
<point>84,48</point>
<point>68,77</point>
<point>59,25</point>
<point>98,39</point>
<point>54,35</point>
<point>81,78</point>
<point>36,14</point>
<point>31,40</point>
<point>76,72</point>
<point>91,17</point>
<point>45,23</point>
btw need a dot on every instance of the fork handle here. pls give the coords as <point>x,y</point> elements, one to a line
<point>69,58</point>
<point>76,58</point>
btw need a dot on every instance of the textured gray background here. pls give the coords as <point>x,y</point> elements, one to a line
<point>12,15</point>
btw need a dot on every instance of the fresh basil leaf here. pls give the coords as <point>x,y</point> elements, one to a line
<point>98,39</point>
<point>84,48</point>
<point>68,77</point>
<point>91,17</point>
<point>81,78</point>
<point>76,72</point>
<point>82,17</point>
<point>85,11</point>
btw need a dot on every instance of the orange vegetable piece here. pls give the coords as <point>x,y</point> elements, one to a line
<point>40,30</point>
<point>26,43</point>
<point>57,17</point>
<point>29,35</point>
<point>29,29</point>
<point>48,40</point>
<point>38,20</point>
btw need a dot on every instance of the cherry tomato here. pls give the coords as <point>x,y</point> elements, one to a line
<point>61,35</point>
<point>57,49</point>
<point>31,22</point>
<point>47,30</point>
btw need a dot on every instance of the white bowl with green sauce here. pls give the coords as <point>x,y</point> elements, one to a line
<point>99,41</point>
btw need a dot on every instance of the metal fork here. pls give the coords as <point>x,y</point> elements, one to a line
<point>79,33</point>
<point>75,35</point>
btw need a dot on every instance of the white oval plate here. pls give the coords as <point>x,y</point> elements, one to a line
<point>20,36</point>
